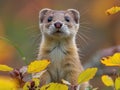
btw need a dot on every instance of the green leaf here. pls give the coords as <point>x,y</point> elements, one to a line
<point>16,47</point>
<point>87,75</point>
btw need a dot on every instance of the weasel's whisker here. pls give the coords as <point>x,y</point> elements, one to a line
<point>79,43</point>
<point>86,27</point>
<point>37,38</point>
<point>82,38</point>
<point>84,30</point>
<point>31,27</point>
<point>85,23</point>
<point>84,20</point>
<point>85,36</point>
<point>84,11</point>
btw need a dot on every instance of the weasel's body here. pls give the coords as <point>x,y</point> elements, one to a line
<point>59,29</point>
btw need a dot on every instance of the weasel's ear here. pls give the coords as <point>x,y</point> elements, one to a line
<point>76,14</point>
<point>42,13</point>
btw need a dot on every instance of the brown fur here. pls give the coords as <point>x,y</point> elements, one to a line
<point>60,49</point>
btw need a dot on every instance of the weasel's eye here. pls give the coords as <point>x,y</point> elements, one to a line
<point>50,19</point>
<point>67,19</point>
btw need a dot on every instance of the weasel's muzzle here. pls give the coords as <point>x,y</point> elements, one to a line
<point>58,25</point>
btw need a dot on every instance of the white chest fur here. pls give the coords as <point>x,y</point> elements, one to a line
<point>57,54</point>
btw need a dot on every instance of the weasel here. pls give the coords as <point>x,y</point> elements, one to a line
<point>59,29</point>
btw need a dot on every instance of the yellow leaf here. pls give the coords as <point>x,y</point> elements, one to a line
<point>54,86</point>
<point>87,75</point>
<point>113,10</point>
<point>7,83</point>
<point>112,60</point>
<point>117,83</point>
<point>26,86</point>
<point>37,81</point>
<point>107,80</point>
<point>32,84</point>
<point>5,68</point>
<point>38,66</point>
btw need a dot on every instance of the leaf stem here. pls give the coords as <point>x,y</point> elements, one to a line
<point>17,48</point>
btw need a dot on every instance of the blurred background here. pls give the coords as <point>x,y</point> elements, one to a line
<point>98,36</point>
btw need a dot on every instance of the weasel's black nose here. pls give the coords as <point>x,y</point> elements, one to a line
<point>58,25</point>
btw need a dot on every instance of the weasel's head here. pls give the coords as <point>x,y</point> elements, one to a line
<point>59,24</point>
